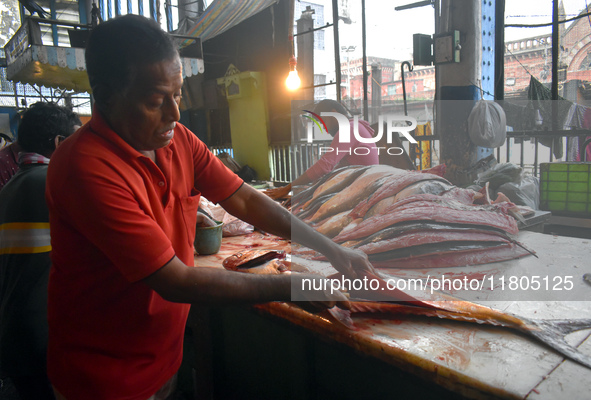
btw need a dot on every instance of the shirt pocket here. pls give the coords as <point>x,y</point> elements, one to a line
<point>189,206</point>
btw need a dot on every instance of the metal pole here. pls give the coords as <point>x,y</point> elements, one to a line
<point>168,10</point>
<point>53,13</point>
<point>437,102</point>
<point>404,84</point>
<point>414,5</point>
<point>500,50</point>
<point>337,47</point>
<point>364,63</point>
<point>555,49</point>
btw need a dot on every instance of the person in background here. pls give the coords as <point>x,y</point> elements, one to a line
<point>8,161</point>
<point>342,153</point>
<point>25,248</point>
<point>123,275</point>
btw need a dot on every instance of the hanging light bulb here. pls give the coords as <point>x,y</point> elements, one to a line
<point>293,80</point>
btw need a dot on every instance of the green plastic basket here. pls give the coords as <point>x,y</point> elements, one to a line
<point>565,188</point>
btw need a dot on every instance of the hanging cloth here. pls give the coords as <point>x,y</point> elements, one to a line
<point>575,120</point>
<point>541,99</point>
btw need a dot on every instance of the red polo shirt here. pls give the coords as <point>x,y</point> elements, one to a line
<point>116,217</point>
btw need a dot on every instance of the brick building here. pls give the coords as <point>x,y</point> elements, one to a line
<point>523,57</point>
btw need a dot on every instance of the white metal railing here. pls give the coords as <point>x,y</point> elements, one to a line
<point>289,160</point>
<point>216,150</point>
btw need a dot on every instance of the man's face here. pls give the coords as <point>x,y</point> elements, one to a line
<point>145,114</point>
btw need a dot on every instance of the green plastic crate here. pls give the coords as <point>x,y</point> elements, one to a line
<point>565,188</point>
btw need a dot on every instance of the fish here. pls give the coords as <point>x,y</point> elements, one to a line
<point>372,178</point>
<point>249,258</point>
<point>380,207</point>
<point>549,332</point>
<point>477,256</point>
<point>433,208</point>
<point>430,227</point>
<point>440,188</point>
<point>301,195</point>
<point>391,187</point>
<point>423,237</point>
<point>312,206</point>
<point>440,249</point>
<point>333,225</point>
<point>339,181</point>
<point>403,241</point>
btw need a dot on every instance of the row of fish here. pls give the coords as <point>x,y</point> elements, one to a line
<point>410,219</point>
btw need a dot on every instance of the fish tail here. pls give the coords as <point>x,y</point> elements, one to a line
<point>552,333</point>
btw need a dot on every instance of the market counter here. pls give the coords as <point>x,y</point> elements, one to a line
<point>432,357</point>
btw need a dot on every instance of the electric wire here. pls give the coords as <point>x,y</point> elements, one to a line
<point>517,59</point>
<point>482,91</point>
<point>547,23</point>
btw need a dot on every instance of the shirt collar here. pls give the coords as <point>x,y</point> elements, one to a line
<point>25,158</point>
<point>99,126</point>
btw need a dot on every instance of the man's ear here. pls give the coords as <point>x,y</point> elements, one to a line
<point>102,95</point>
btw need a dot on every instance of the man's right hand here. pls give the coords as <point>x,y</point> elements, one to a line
<point>314,293</point>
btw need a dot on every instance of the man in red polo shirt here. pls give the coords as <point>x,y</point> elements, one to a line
<point>123,194</point>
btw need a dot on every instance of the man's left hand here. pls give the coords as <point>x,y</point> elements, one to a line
<point>278,193</point>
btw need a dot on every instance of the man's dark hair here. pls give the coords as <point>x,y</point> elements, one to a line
<point>328,105</point>
<point>40,125</point>
<point>119,45</point>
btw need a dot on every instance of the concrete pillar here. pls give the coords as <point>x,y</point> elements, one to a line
<point>305,53</point>
<point>458,87</point>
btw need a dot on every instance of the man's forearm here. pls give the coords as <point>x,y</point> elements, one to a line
<point>178,283</point>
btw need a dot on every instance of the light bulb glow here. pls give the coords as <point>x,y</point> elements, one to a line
<point>293,80</point>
